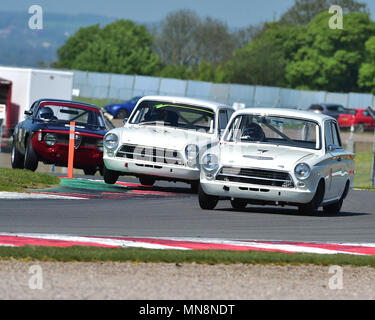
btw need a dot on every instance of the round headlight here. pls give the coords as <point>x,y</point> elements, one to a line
<point>302,171</point>
<point>191,151</point>
<point>50,139</point>
<point>111,141</point>
<point>210,162</point>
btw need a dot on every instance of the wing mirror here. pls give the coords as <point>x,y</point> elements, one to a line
<point>331,147</point>
<point>125,120</point>
<point>28,113</point>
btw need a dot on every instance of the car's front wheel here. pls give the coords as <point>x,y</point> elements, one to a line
<point>31,158</point>
<point>194,186</point>
<point>335,208</point>
<point>238,204</point>
<point>312,207</point>
<point>146,181</point>
<point>206,202</point>
<point>110,176</point>
<point>17,159</point>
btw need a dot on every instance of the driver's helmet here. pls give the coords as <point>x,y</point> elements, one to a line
<point>172,117</point>
<point>46,113</point>
<point>253,132</point>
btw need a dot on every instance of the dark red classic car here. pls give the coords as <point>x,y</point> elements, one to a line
<point>44,136</point>
<point>359,118</point>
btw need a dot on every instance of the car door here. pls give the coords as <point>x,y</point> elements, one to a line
<point>337,170</point>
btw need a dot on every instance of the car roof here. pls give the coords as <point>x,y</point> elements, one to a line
<point>201,102</point>
<point>286,112</point>
<point>327,104</point>
<point>69,101</point>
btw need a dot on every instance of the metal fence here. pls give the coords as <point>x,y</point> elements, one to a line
<point>123,87</point>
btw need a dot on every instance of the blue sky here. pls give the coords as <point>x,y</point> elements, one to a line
<point>236,13</point>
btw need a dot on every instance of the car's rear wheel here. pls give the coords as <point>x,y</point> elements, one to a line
<point>312,207</point>
<point>110,176</point>
<point>206,202</point>
<point>17,159</point>
<point>31,158</point>
<point>335,208</point>
<point>360,127</point>
<point>90,171</point>
<point>122,114</point>
<point>238,203</point>
<point>146,181</point>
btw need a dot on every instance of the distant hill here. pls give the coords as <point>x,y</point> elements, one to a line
<point>23,47</point>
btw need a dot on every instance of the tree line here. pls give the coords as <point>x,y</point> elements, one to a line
<point>296,51</point>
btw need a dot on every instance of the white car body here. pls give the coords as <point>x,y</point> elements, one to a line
<point>151,151</point>
<point>264,173</point>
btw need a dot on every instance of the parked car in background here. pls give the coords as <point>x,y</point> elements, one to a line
<point>122,110</point>
<point>163,140</point>
<point>359,118</point>
<point>329,109</point>
<point>278,157</point>
<point>44,136</point>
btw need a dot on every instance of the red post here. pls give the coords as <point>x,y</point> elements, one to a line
<point>71,149</point>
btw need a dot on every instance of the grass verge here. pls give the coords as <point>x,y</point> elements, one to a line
<point>363,166</point>
<point>97,102</point>
<point>16,180</point>
<point>93,254</point>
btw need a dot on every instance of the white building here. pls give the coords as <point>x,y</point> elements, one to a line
<point>30,85</point>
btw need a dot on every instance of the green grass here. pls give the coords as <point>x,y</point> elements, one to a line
<point>97,102</point>
<point>93,254</point>
<point>17,180</point>
<point>363,166</point>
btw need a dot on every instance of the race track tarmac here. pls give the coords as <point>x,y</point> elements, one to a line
<point>170,210</point>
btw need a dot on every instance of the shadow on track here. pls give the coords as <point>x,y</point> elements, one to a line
<point>291,211</point>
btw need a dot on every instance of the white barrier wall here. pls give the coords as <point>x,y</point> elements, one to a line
<point>124,87</point>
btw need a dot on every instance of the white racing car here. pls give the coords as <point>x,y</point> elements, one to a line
<point>163,140</point>
<point>278,157</point>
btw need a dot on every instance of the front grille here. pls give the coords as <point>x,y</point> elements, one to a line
<point>86,141</point>
<point>255,176</point>
<point>151,154</point>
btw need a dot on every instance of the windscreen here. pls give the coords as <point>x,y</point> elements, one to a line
<point>62,113</point>
<point>159,113</point>
<point>274,130</point>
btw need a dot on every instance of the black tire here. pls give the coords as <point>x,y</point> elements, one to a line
<point>312,207</point>
<point>31,158</point>
<point>17,159</point>
<point>101,171</point>
<point>194,186</point>
<point>335,208</point>
<point>146,181</point>
<point>238,204</point>
<point>206,202</point>
<point>89,171</point>
<point>360,128</point>
<point>122,114</point>
<point>110,176</point>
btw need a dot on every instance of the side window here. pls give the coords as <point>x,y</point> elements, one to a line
<point>328,133</point>
<point>223,120</point>
<point>336,134</point>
